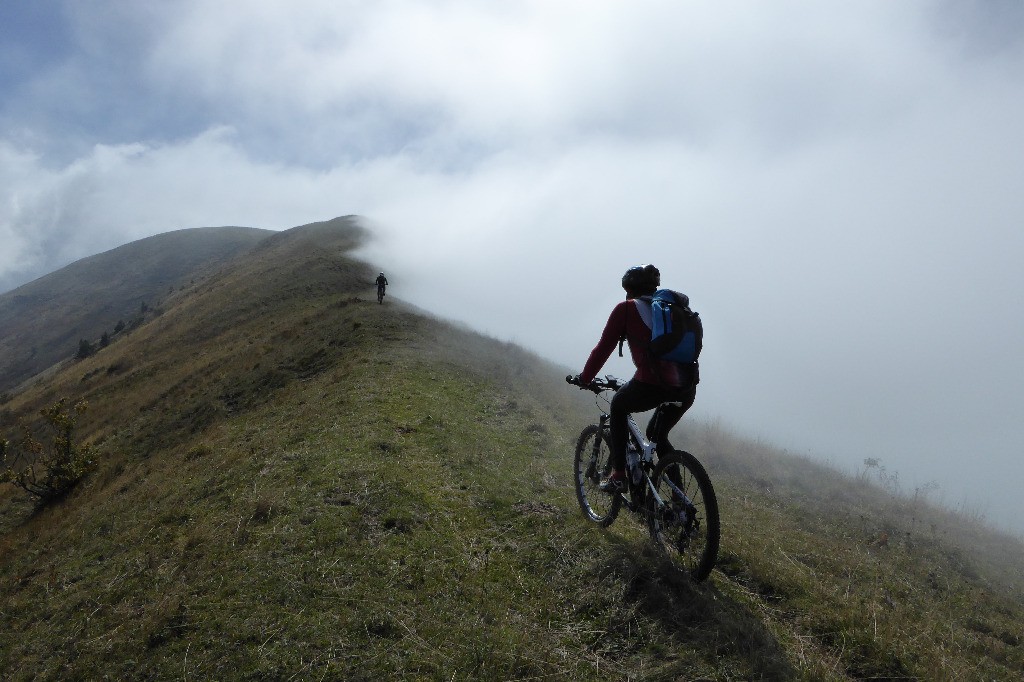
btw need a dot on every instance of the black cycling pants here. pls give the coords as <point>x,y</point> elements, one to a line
<point>637,396</point>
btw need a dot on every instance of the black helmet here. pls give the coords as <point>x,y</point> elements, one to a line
<point>642,279</point>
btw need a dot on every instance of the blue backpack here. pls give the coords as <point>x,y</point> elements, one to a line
<point>677,334</point>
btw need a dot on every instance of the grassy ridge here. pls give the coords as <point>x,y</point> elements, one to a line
<point>299,483</point>
<point>42,322</point>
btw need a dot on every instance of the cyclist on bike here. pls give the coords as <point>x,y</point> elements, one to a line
<point>382,282</point>
<point>655,382</point>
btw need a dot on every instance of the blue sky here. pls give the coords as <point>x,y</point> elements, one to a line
<point>835,185</point>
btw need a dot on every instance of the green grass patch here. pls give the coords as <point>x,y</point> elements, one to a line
<point>296,483</point>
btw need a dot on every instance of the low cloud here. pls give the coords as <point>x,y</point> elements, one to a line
<point>837,188</point>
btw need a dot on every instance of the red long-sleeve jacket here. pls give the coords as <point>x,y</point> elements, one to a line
<point>625,318</point>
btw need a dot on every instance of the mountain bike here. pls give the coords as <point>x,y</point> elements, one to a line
<point>674,496</point>
<point>380,293</point>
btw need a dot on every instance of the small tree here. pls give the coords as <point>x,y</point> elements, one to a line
<point>119,327</point>
<point>85,349</point>
<point>53,468</point>
<point>104,340</point>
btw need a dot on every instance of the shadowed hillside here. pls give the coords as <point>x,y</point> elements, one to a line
<point>297,482</point>
<point>42,322</point>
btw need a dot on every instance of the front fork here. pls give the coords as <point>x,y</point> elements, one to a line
<point>595,452</point>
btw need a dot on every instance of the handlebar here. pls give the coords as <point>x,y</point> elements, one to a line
<point>609,383</point>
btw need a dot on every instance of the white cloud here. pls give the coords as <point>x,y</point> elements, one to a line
<point>835,186</point>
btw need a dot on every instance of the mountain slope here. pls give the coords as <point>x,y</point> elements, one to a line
<point>42,322</point>
<point>296,481</point>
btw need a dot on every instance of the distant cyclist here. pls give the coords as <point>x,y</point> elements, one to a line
<point>654,383</point>
<point>382,282</point>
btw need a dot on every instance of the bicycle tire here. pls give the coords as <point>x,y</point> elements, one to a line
<point>690,539</point>
<point>591,464</point>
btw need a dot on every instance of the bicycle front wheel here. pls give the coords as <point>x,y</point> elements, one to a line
<point>685,523</point>
<point>592,463</point>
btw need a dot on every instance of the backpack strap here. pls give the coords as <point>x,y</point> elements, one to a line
<point>643,306</point>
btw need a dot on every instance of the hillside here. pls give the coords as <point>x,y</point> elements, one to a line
<point>299,483</point>
<point>42,322</point>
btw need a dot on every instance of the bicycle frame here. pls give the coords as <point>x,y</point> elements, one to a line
<point>645,451</point>
<point>645,448</point>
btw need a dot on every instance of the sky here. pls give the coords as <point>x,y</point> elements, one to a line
<point>838,186</point>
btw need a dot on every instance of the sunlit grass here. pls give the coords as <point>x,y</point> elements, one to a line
<point>299,483</point>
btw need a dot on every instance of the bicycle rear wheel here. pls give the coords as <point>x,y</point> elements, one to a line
<point>592,463</point>
<point>686,526</point>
